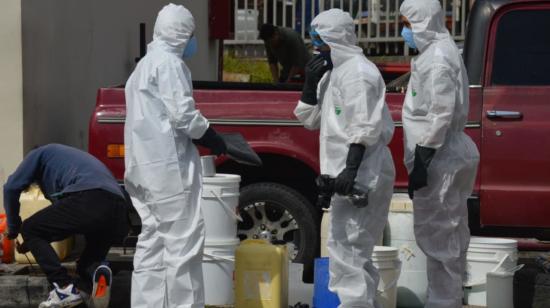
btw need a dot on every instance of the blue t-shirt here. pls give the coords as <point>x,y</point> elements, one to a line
<point>57,169</point>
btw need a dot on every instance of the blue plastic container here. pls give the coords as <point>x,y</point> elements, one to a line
<point>322,297</point>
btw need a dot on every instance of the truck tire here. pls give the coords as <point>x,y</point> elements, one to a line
<point>281,214</point>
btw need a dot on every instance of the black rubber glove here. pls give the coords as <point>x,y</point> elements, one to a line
<point>419,175</point>
<point>212,140</point>
<point>315,69</point>
<point>346,179</point>
<point>22,248</point>
<point>325,185</point>
<point>12,234</point>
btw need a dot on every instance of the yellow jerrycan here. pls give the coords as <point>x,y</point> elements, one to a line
<point>261,275</point>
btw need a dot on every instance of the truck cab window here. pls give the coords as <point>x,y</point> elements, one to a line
<point>522,49</point>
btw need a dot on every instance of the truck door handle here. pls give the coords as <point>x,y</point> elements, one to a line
<point>501,114</point>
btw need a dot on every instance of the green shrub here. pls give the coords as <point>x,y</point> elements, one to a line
<point>258,69</point>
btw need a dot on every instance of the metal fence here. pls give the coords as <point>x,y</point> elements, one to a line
<point>377,21</point>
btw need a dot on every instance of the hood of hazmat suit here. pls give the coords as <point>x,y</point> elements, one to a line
<point>163,170</point>
<point>435,113</point>
<point>352,109</point>
<point>352,106</point>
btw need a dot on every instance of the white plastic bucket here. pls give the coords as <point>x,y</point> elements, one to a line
<point>218,265</point>
<point>487,255</point>
<point>386,260</point>
<point>413,281</point>
<point>220,197</point>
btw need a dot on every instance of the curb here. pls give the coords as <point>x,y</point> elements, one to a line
<point>23,291</point>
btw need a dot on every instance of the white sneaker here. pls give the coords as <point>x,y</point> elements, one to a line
<point>101,293</point>
<point>62,298</point>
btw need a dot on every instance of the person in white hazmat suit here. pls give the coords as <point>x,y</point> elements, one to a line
<point>344,97</point>
<point>163,171</point>
<point>441,159</point>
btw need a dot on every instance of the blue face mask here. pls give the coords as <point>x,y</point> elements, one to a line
<point>316,40</point>
<point>317,43</point>
<point>407,35</point>
<point>190,48</point>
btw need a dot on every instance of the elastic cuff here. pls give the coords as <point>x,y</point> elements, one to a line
<point>312,102</point>
<point>301,102</point>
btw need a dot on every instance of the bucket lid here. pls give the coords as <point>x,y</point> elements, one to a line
<point>477,241</point>
<point>500,274</point>
<point>385,252</point>
<point>385,249</point>
<point>222,178</point>
<point>218,243</point>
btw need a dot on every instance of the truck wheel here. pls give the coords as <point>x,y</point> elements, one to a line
<point>279,213</point>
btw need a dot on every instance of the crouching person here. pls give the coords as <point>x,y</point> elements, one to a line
<point>87,200</point>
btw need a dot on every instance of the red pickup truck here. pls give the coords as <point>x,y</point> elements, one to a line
<point>507,54</point>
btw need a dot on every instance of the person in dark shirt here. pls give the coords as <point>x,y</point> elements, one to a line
<point>284,46</point>
<point>86,199</point>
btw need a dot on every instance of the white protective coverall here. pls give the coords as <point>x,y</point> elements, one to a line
<point>163,170</point>
<point>352,109</point>
<point>434,115</point>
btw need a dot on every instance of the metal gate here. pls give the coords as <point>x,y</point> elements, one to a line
<point>377,21</point>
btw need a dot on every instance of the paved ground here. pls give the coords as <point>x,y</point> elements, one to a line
<point>22,289</point>
<point>28,291</point>
<point>27,288</point>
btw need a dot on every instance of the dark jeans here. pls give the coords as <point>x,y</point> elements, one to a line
<point>99,215</point>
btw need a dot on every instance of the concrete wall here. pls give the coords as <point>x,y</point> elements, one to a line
<point>11,93</point>
<point>73,47</point>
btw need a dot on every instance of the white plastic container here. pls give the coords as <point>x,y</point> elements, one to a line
<point>298,291</point>
<point>325,225</point>
<point>208,165</point>
<point>413,282</point>
<point>500,289</point>
<point>386,260</point>
<point>487,255</point>
<point>220,197</point>
<point>218,265</point>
